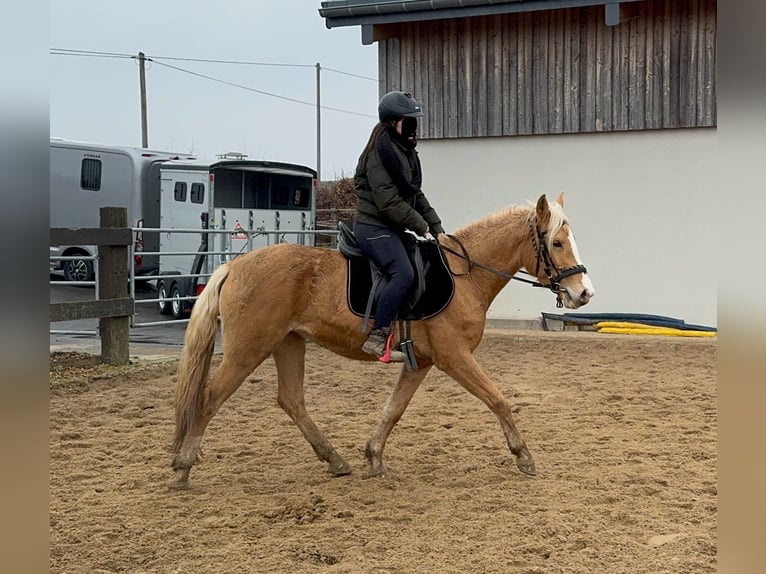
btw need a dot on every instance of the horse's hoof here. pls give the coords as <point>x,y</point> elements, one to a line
<point>182,479</point>
<point>341,469</point>
<point>378,472</point>
<point>178,485</point>
<point>527,466</point>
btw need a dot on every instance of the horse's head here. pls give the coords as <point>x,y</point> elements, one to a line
<point>557,263</point>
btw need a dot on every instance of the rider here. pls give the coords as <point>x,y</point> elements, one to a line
<point>389,201</point>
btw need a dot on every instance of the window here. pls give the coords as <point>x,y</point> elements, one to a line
<point>300,197</point>
<point>90,174</point>
<point>228,188</point>
<point>179,192</point>
<point>289,191</point>
<point>256,193</point>
<point>280,196</point>
<point>197,192</point>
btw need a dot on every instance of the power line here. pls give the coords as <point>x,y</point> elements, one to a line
<point>69,52</point>
<point>262,92</point>
<point>88,53</point>
<point>155,59</point>
<point>239,62</point>
<point>350,74</point>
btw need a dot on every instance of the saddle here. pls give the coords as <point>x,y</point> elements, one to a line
<point>432,289</point>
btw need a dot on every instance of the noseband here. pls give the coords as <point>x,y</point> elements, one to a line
<point>543,258</point>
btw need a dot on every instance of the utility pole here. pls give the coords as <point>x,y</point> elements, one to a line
<point>319,148</point>
<point>319,126</point>
<point>142,85</point>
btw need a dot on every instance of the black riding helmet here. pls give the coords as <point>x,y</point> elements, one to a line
<point>395,105</point>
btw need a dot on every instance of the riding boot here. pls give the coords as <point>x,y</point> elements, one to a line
<point>377,344</point>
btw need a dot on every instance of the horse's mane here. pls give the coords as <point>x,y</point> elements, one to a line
<point>523,213</point>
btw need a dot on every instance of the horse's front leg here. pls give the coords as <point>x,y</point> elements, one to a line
<point>465,370</point>
<point>405,388</point>
<point>289,357</point>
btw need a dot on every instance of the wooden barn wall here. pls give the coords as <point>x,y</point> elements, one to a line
<point>558,71</point>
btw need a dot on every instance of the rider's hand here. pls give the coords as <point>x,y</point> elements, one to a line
<point>426,237</point>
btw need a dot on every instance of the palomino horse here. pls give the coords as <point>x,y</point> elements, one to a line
<point>272,300</point>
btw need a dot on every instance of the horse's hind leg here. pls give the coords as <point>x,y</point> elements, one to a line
<point>289,357</point>
<point>226,379</point>
<point>400,397</point>
<point>466,371</point>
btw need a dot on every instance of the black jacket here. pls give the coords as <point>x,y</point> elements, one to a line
<point>388,189</point>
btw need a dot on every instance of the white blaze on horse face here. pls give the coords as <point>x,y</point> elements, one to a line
<point>586,282</point>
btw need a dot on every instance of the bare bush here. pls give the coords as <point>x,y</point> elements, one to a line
<point>336,201</point>
<point>338,194</point>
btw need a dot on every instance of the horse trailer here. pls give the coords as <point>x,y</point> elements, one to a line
<point>239,205</point>
<point>87,176</point>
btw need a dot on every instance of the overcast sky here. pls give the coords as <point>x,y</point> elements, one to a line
<point>97,98</point>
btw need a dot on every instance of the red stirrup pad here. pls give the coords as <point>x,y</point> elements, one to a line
<point>386,358</point>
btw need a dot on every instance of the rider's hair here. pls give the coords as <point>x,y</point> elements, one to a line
<point>379,128</point>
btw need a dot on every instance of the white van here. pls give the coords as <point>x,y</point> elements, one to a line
<point>87,176</point>
<point>247,197</point>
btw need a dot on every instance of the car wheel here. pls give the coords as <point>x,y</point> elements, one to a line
<point>78,270</point>
<point>163,300</point>
<point>177,305</point>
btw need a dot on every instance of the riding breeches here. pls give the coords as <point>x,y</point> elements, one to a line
<point>384,247</point>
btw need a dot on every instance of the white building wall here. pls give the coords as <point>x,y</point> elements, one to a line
<point>643,206</point>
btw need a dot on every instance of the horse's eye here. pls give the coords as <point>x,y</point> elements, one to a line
<point>557,243</point>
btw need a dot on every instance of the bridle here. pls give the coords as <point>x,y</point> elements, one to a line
<point>544,257</point>
<point>537,236</point>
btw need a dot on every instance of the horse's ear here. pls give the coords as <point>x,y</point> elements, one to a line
<point>560,199</point>
<point>543,211</point>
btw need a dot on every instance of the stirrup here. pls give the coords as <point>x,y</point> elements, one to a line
<point>410,362</point>
<point>405,344</point>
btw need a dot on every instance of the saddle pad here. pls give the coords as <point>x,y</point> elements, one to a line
<point>440,286</point>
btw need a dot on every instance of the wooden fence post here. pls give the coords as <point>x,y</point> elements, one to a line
<point>113,284</point>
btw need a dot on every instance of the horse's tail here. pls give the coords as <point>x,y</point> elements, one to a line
<point>199,342</point>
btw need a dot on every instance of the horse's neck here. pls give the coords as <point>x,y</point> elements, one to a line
<point>496,242</point>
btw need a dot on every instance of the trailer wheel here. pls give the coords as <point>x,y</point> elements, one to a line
<point>78,270</point>
<point>177,306</point>
<point>163,300</point>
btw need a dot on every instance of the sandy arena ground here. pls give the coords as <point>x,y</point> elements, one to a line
<point>623,430</point>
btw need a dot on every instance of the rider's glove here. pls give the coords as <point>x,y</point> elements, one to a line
<point>426,237</point>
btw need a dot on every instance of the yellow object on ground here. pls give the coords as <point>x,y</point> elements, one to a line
<point>623,328</point>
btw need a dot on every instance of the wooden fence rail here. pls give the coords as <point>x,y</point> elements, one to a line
<point>114,306</point>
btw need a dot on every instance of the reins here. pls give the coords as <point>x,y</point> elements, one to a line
<point>543,256</point>
<point>472,263</point>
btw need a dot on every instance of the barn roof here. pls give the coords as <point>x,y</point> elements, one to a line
<point>367,13</point>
